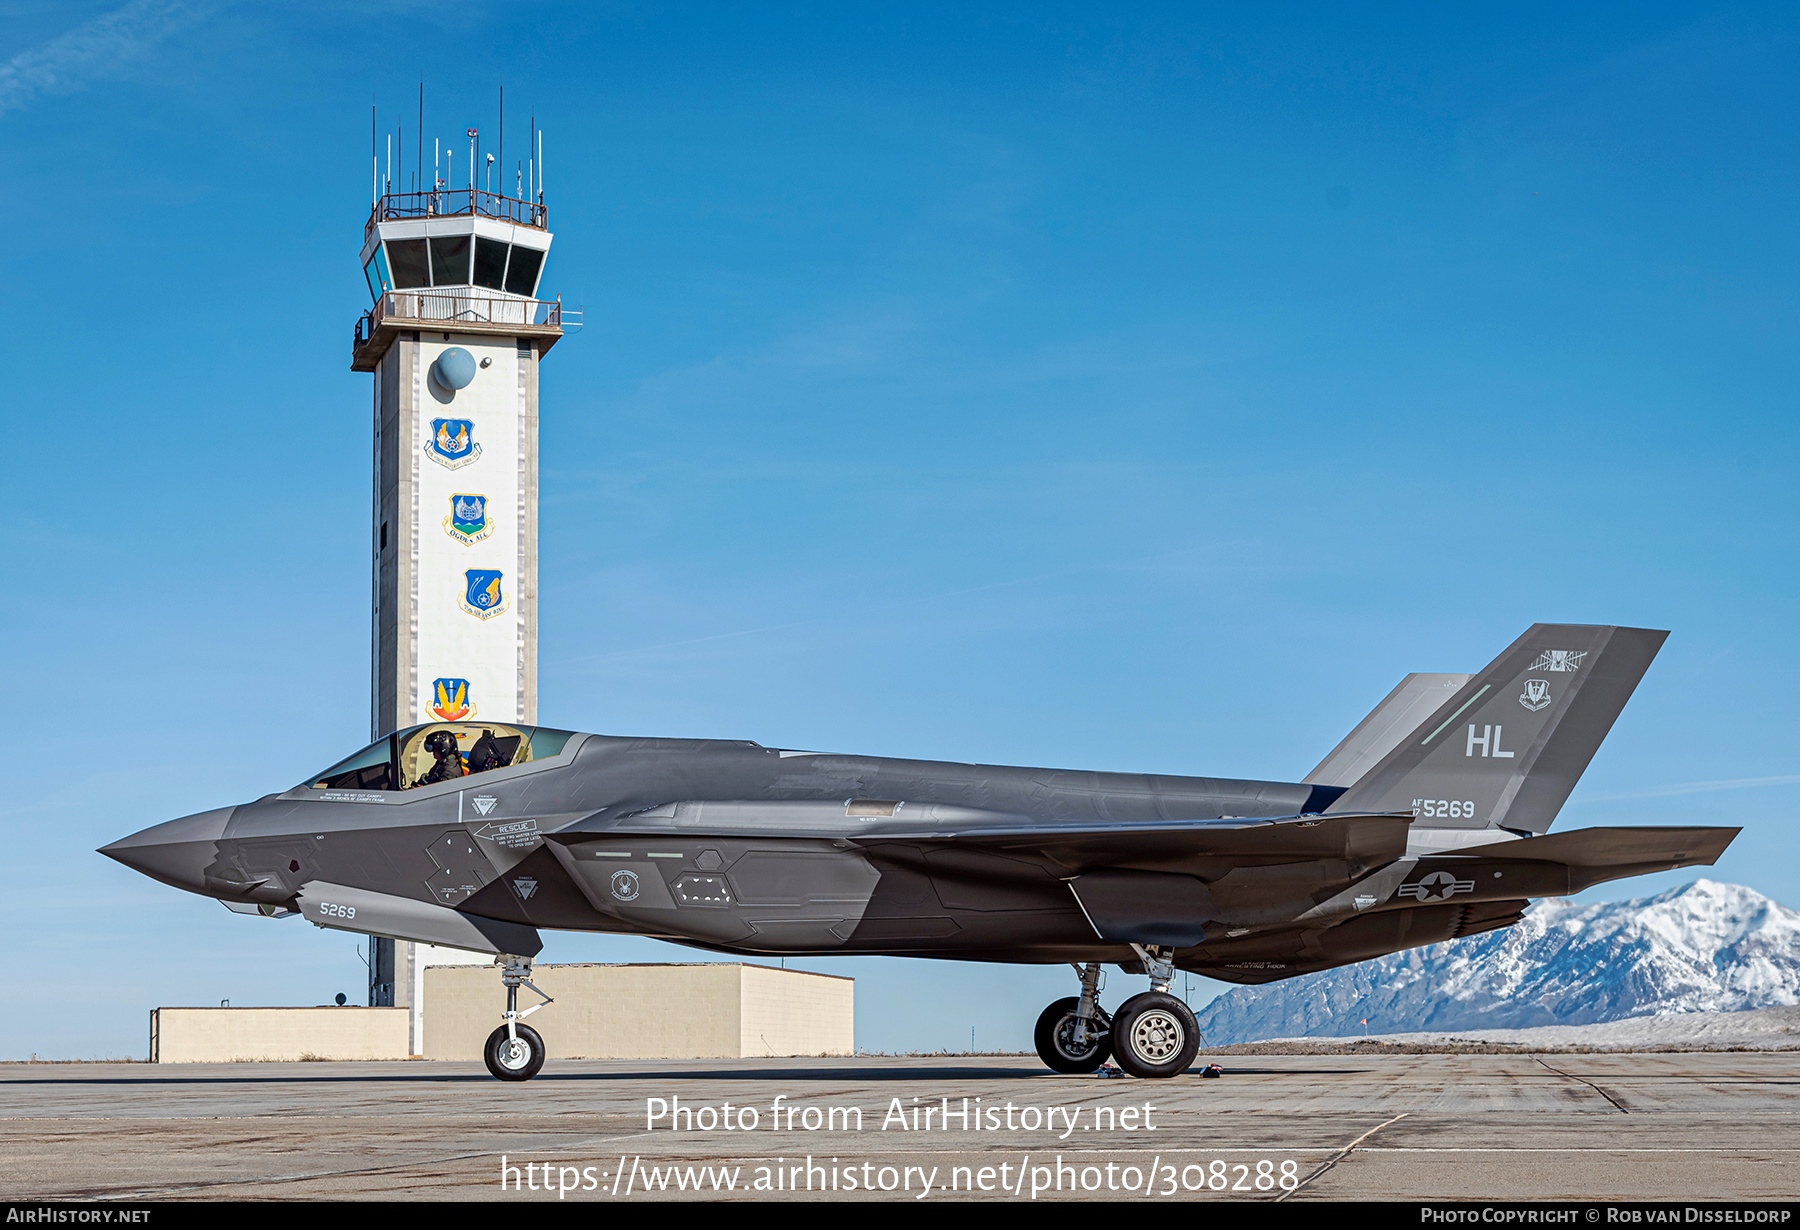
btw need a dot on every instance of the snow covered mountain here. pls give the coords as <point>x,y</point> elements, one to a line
<point>1704,947</point>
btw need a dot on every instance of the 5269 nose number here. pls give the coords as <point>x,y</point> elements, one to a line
<point>332,909</point>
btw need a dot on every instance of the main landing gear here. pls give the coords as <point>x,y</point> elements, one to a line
<point>1074,1035</point>
<point>1153,1035</point>
<point>514,1052</point>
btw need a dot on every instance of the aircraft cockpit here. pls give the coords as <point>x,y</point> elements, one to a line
<point>441,751</point>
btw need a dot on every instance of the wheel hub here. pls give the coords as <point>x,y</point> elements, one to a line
<point>1156,1036</point>
<point>1065,1039</point>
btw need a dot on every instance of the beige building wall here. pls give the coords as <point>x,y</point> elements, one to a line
<point>239,1035</point>
<point>712,1010</point>
<point>410,963</point>
<point>787,1012</point>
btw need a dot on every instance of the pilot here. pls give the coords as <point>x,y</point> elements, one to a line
<point>442,744</point>
<point>485,755</point>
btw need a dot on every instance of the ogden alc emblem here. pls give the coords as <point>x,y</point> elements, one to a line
<point>483,597</point>
<point>452,443</point>
<point>1536,694</point>
<point>450,700</point>
<point>468,520</point>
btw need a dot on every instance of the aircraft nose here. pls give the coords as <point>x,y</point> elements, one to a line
<point>177,852</point>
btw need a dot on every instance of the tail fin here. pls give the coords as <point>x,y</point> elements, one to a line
<point>1403,711</point>
<point>1509,746</point>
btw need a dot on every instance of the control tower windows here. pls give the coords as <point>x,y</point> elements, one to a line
<point>454,260</point>
<point>411,270</point>
<point>450,260</point>
<point>522,275</point>
<point>376,271</point>
<point>490,263</point>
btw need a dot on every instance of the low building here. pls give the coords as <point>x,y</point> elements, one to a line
<point>275,1035</point>
<point>702,1010</point>
<point>710,1010</point>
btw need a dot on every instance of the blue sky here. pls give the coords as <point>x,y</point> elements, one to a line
<point>1031,384</point>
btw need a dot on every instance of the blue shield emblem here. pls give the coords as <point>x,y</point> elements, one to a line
<point>452,443</point>
<point>450,700</point>
<point>483,596</point>
<point>468,519</point>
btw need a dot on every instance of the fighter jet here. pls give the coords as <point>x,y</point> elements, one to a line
<point>1429,822</point>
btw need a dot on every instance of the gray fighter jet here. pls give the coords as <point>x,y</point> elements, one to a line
<point>1429,822</point>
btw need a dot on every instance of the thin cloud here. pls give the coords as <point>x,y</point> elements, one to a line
<point>92,49</point>
<point>1728,783</point>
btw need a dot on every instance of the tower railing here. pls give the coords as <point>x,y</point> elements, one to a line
<point>438,307</point>
<point>453,202</point>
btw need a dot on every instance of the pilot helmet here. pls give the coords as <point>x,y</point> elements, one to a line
<point>439,742</point>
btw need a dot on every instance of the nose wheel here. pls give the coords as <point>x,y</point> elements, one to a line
<point>516,1057</point>
<point>515,1052</point>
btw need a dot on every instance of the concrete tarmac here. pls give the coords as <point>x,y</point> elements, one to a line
<point>1718,1126</point>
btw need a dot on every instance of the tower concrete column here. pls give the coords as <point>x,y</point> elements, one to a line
<point>454,338</point>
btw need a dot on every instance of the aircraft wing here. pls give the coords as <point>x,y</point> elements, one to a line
<point>1192,846</point>
<point>1137,882</point>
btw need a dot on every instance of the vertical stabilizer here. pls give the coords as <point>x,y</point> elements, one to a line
<point>1405,709</point>
<point>1507,748</point>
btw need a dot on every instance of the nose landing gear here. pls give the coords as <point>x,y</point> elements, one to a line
<point>1153,1035</point>
<point>515,1052</point>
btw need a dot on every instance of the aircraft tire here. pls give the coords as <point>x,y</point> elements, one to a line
<point>508,1064</point>
<point>1155,1036</point>
<point>1054,1030</point>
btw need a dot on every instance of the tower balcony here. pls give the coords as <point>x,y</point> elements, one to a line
<point>452,309</point>
<point>456,202</point>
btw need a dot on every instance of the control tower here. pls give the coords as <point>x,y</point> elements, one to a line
<point>454,336</point>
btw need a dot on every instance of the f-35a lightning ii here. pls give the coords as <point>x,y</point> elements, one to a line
<point>1430,821</point>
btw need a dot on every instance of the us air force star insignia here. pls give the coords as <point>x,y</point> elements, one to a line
<point>625,885</point>
<point>1536,694</point>
<point>525,886</point>
<point>1437,886</point>
<point>1559,660</point>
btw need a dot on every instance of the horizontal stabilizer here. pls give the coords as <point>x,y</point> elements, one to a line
<point>1666,848</point>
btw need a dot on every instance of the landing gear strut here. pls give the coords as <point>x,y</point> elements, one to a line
<point>1074,1035</point>
<point>514,1052</point>
<point>1153,1035</point>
